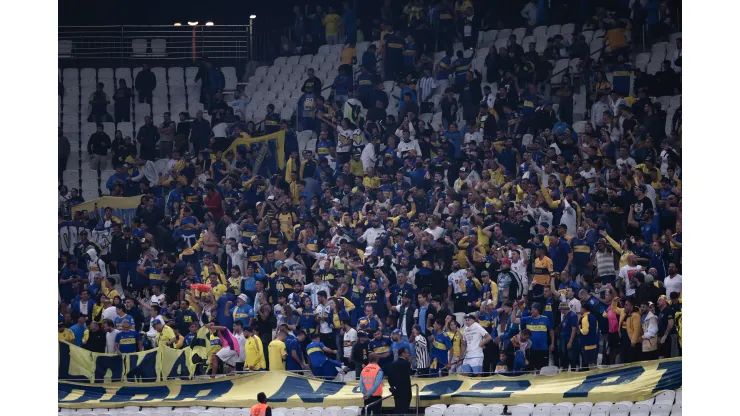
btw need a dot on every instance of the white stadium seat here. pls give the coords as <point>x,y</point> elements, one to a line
<point>139,46</point>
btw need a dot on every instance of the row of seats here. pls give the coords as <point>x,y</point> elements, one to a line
<point>665,404</point>
<point>212,411</point>
<point>139,48</point>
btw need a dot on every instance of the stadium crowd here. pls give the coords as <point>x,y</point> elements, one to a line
<point>500,244</point>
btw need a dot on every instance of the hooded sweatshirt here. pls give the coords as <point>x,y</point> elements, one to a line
<point>95,265</point>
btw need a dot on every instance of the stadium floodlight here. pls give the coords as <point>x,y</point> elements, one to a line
<point>193,23</point>
<point>209,23</point>
<point>252,16</point>
<point>178,24</point>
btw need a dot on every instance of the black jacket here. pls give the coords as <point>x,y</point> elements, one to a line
<point>126,250</point>
<point>145,81</point>
<point>138,316</point>
<point>99,144</point>
<point>95,341</point>
<point>399,378</point>
<point>148,136</point>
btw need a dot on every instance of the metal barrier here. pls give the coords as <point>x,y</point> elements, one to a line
<point>234,42</point>
<point>382,399</point>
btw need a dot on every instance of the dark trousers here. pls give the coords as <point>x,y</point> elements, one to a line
<point>62,168</point>
<point>266,339</point>
<point>539,358</point>
<point>569,357</point>
<point>376,408</point>
<point>127,269</point>
<point>402,402</point>
<point>490,357</point>
<point>627,352</point>
<point>460,303</point>
<point>123,115</point>
<point>145,97</point>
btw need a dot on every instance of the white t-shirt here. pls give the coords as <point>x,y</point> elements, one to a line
<point>242,340</point>
<point>590,177</point>
<point>350,338</point>
<point>474,334</point>
<point>157,299</point>
<point>575,305</point>
<point>673,284</point>
<point>343,134</point>
<point>110,340</point>
<point>109,313</point>
<point>457,281</point>
<point>324,310</point>
<point>436,233</point>
<point>626,273</point>
<point>219,130</point>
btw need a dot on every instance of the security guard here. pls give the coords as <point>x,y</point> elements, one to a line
<point>272,120</point>
<point>371,384</point>
<point>261,408</point>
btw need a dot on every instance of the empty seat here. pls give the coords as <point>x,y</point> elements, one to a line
<point>230,78</point>
<point>640,409</point>
<point>520,33</point>
<point>138,47</point>
<point>660,409</point>
<point>71,177</point>
<point>666,396</point>
<point>567,29</point>
<point>292,60</point>
<point>542,409</point>
<point>520,410</point>
<point>503,34</point>
<point>540,32</point>
<point>492,410</point>
<point>619,409</point>
<point>65,48</point>
<point>88,76</point>
<point>159,47</point>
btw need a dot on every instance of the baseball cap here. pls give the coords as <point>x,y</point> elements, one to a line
<point>243,297</point>
<point>537,306</point>
<point>544,224</point>
<point>484,273</point>
<point>506,261</point>
<point>406,294</point>
<point>156,322</point>
<point>470,317</point>
<point>336,200</point>
<point>512,240</point>
<point>249,328</point>
<point>362,334</point>
<point>397,331</point>
<point>278,263</point>
<point>564,306</point>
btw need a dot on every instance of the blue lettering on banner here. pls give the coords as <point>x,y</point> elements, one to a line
<point>623,376</point>
<point>180,369</point>
<point>89,393</point>
<point>143,367</point>
<point>104,363</point>
<point>435,390</point>
<point>213,391</point>
<point>65,356</point>
<point>294,386</point>
<point>672,378</point>
<point>127,394</point>
<point>509,386</point>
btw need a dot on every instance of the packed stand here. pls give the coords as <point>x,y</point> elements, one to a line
<point>501,238</point>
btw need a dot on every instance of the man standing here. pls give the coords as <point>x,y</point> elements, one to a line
<point>568,347</point>
<point>589,327</point>
<point>474,339</point>
<point>667,334</point>
<point>145,83</point>
<point>540,326</point>
<point>277,352</point>
<point>421,351</point>
<point>456,282</point>
<point>97,148</point>
<point>399,379</point>
<point>148,137</point>
<point>371,385</point>
<point>255,352</point>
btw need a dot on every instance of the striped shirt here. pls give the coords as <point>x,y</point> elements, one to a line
<point>605,263</point>
<point>425,88</point>
<point>421,352</point>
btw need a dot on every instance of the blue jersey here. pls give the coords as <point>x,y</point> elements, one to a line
<point>292,344</point>
<point>307,321</point>
<point>568,322</point>
<point>398,345</point>
<point>462,66</point>
<point>382,346</point>
<point>119,320</point>
<point>539,328</point>
<point>128,341</point>
<point>441,345</point>
<point>581,251</point>
<point>316,356</point>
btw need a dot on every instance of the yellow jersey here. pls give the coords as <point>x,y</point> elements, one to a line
<point>541,271</point>
<point>277,353</point>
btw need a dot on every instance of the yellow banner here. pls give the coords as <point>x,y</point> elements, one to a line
<point>279,138</point>
<point>124,208</point>
<point>634,382</point>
